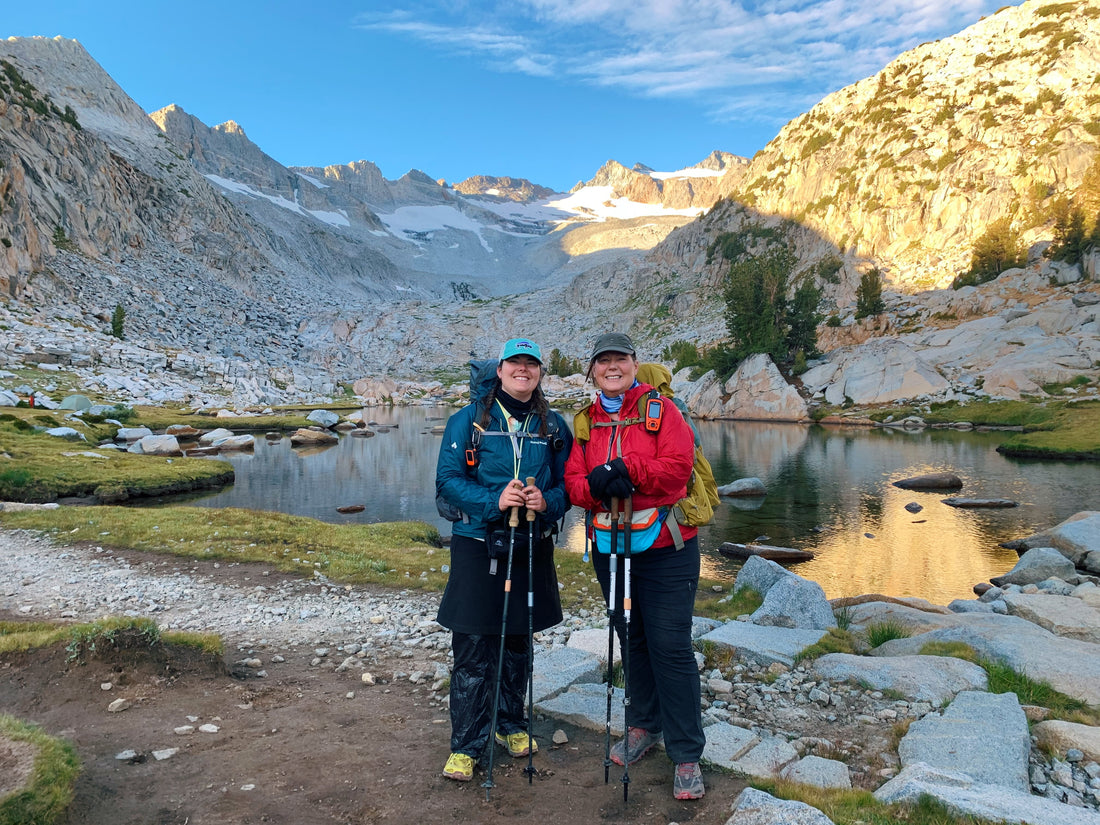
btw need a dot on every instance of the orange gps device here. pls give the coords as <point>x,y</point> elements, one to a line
<point>653,410</point>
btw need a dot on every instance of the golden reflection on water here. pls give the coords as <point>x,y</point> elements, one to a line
<point>937,554</point>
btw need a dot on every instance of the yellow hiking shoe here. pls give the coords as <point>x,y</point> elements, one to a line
<point>516,743</point>
<point>460,767</point>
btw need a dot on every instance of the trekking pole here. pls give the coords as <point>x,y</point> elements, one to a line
<point>587,534</point>
<point>628,515</point>
<point>513,523</point>
<point>612,566</point>
<point>530,769</point>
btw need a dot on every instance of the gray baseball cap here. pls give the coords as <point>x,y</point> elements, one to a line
<point>612,342</point>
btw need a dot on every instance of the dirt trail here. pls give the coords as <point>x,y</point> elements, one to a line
<point>304,744</point>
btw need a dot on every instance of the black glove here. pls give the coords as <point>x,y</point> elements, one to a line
<point>611,480</point>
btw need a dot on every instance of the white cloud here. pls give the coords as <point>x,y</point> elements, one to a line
<point>729,55</point>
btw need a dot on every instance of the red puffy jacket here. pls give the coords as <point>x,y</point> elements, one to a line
<point>660,463</point>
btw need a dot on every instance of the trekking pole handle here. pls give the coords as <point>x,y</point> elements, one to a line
<point>614,508</point>
<point>628,510</point>
<point>531,513</point>
<point>513,517</point>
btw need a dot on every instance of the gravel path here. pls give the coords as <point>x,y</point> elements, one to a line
<point>245,603</point>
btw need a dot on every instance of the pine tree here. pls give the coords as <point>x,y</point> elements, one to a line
<point>118,318</point>
<point>996,250</point>
<point>869,294</point>
<point>756,303</point>
<point>803,318</point>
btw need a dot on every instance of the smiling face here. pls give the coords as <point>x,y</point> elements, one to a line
<point>519,375</point>
<point>614,373</point>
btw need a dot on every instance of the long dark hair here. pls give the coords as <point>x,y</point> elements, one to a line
<point>541,407</point>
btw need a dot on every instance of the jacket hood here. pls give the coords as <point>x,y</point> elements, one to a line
<point>657,376</point>
<point>483,377</point>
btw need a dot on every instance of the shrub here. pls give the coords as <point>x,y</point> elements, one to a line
<point>827,269</point>
<point>722,359</point>
<point>681,354</point>
<point>61,240</point>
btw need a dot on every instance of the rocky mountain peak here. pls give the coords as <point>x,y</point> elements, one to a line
<point>63,69</point>
<point>416,176</point>
<point>231,127</point>
<point>673,191</point>
<point>223,150</point>
<point>520,190</point>
<point>718,161</point>
<point>910,166</point>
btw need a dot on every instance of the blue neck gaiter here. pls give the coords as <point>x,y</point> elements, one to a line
<point>613,405</point>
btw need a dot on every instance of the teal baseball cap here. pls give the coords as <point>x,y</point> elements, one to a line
<point>520,346</point>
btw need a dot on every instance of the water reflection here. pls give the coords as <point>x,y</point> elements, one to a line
<point>829,491</point>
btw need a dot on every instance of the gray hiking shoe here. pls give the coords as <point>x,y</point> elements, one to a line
<point>687,782</point>
<point>637,744</point>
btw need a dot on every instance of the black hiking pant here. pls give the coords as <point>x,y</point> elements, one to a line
<point>473,680</point>
<point>663,678</point>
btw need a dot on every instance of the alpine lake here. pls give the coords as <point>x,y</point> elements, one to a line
<point>829,490</point>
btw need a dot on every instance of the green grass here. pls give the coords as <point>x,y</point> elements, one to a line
<point>35,467</point>
<point>835,640</point>
<point>86,640</point>
<point>50,787</point>
<point>853,807</point>
<point>404,554</point>
<point>879,633</point>
<point>1004,679</point>
<point>721,605</point>
<point>208,644</point>
<point>715,655</point>
<point>984,413</point>
<point>283,419</point>
<point>1055,428</point>
<point>395,554</point>
<point>1073,432</point>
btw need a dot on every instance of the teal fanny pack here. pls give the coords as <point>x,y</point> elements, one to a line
<point>644,527</point>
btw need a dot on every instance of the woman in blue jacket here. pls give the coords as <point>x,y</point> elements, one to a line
<point>505,436</point>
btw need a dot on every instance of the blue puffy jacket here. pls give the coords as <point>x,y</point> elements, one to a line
<point>477,493</point>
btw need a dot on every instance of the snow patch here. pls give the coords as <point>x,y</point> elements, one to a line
<point>314,181</point>
<point>331,218</point>
<point>688,173</point>
<point>410,221</point>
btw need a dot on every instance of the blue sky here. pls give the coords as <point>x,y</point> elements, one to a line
<point>543,89</point>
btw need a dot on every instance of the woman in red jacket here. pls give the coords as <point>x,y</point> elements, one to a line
<point>652,465</point>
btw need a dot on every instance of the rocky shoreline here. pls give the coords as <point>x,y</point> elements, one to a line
<point>839,720</point>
